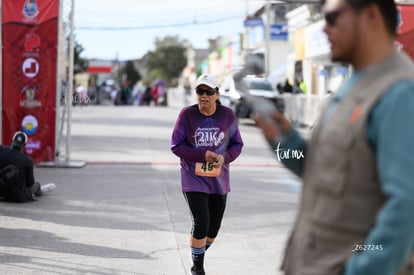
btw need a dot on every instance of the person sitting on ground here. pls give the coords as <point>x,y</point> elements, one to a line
<point>17,183</point>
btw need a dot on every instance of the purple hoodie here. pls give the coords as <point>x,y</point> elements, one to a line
<point>194,134</point>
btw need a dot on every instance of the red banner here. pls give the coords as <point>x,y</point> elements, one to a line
<point>30,43</point>
<point>406,29</point>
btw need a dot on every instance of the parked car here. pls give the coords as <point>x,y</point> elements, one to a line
<point>232,95</point>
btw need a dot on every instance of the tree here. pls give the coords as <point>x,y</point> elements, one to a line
<point>167,60</point>
<point>80,64</point>
<point>130,72</point>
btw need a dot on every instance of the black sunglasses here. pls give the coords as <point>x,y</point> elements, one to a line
<point>209,92</point>
<point>332,16</point>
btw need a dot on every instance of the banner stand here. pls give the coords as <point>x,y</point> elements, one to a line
<point>67,162</point>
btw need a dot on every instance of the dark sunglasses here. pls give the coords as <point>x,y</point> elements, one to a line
<point>209,92</point>
<point>332,16</point>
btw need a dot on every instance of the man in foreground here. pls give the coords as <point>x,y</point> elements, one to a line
<point>355,213</point>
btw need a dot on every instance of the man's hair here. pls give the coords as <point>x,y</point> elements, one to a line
<point>388,10</point>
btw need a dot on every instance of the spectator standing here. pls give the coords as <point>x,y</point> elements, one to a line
<point>355,214</point>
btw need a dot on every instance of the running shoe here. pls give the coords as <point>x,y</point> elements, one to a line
<point>194,271</point>
<point>46,188</point>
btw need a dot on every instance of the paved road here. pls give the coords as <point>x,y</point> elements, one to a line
<point>124,213</point>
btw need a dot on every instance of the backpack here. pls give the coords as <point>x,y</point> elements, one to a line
<point>8,176</point>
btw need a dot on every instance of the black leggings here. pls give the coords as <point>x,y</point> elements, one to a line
<point>207,211</point>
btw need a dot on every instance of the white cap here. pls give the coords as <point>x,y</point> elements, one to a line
<point>207,80</point>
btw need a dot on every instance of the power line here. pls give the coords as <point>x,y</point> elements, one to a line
<point>160,26</point>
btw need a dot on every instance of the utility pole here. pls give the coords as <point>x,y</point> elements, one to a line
<point>267,38</point>
<point>69,91</point>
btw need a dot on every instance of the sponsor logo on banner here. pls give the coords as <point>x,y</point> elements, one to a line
<point>32,43</point>
<point>33,145</point>
<point>30,101</point>
<point>30,67</point>
<point>30,125</point>
<point>30,9</point>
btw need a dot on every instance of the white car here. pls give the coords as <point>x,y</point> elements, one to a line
<point>232,95</point>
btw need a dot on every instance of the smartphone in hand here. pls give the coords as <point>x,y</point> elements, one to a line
<point>263,106</point>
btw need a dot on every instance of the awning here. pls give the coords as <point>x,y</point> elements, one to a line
<point>99,70</point>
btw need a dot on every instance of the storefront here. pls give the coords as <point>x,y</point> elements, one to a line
<point>324,74</point>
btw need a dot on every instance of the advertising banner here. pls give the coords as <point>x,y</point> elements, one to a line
<point>30,44</point>
<point>406,29</point>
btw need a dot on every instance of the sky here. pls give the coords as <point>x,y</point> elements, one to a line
<point>127,29</point>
